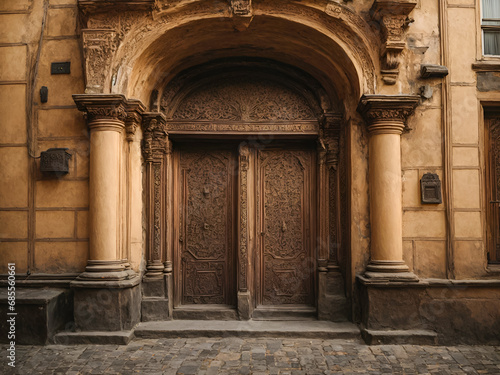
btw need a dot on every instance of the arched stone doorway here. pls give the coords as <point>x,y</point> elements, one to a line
<point>252,198</point>
<point>333,59</point>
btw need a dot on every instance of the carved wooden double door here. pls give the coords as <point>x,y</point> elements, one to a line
<point>281,222</point>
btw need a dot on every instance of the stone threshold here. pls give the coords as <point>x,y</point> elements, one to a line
<point>250,328</point>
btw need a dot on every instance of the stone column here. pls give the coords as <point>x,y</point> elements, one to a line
<point>386,117</point>
<point>106,294</point>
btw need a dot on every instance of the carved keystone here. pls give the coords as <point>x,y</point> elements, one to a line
<point>242,7</point>
<point>392,15</point>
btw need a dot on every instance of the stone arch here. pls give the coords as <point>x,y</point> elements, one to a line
<point>332,43</point>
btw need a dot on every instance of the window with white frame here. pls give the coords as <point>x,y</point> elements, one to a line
<point>490,25</point>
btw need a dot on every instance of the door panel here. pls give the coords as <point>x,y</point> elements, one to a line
<point>206,234</point>
<point>285,190</point>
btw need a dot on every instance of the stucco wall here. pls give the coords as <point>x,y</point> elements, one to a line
<point>43,220</point>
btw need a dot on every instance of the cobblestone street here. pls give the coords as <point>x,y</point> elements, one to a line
<point>252,356</point>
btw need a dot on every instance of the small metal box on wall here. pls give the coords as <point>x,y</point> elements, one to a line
<point>430,188</point>
<point>55,161</point>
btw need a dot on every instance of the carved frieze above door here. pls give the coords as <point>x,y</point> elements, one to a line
<point>206,255</point>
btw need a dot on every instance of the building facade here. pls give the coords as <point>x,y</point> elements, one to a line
<point>242,159</point>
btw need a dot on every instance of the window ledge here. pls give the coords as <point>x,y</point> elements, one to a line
<point>487,66</point>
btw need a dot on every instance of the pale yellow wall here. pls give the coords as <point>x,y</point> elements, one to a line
<point>43,220</point>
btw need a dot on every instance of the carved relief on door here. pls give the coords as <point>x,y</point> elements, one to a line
<point>285,199</point>
<point>205,251</point>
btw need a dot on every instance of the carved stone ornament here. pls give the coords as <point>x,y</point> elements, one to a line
<point>386,114</point>
<point>155,142</point>
<point>392,15</point>
<point>242,7</point>
<point>101,107</point>
<point>330,136</point>
<point>99,46</point>
<point>134,110</point>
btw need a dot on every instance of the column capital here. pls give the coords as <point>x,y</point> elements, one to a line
<point>135,109</point>
<point>155,142</point>
<point>387,114</point>
<point>102,110</point>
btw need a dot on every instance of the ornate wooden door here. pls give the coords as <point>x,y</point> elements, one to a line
<point>206,241</point>
<point>286,196</point>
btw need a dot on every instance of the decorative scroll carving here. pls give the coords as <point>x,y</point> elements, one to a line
<point>99,46</point>
<point>287,260</point>
<point>244,99</point>
<point>206,221</point>
<point>393,18</point>
<point>244,164</point>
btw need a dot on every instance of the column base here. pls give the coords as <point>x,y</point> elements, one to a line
<point>154,270</point>
<point>106,304</point>
<point>389,270</point>
<point>106,270</point>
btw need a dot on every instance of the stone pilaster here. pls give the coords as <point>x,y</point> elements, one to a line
<point>155,147</point>
<point>157,286</point>
<point>331,300</point>
<point>329,197</point>
<point>386,117</point>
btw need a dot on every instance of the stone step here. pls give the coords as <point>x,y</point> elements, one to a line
<point>251,328</point>
<point>41,312</point>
